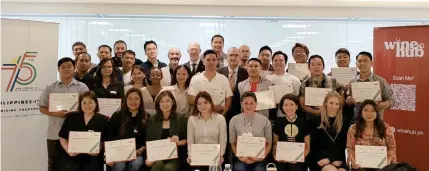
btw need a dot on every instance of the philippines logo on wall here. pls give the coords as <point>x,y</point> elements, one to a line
<point>22,72</point>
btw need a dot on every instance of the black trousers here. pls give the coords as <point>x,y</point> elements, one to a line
<point>81,162</point>
<point>54,148</point>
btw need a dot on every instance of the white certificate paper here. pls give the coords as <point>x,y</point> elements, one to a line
<point>248,146</point>
<point>266,100</point>
<point>344,74</point>
<point>120,150</point>
<point>298,70</point>
<point>205,154</point>
<point>109,106</point>
<point>63,101</point>
<point>281,90</point>
<point>315,96</point>
<point>366,90</point>
<point>161,150</point>
<point>218,96</point>
<point>290,151</point>
<point>371,156</point>
<point>84,142</point>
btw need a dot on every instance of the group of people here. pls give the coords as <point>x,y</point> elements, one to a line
<point>211,100</point>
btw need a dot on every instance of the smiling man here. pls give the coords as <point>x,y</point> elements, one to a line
<point>174,56</point>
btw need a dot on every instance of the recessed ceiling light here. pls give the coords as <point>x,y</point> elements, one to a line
<point>295,26</point>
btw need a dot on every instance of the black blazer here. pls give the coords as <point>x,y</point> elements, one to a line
<point>241,74</point>
<point>200,67</point>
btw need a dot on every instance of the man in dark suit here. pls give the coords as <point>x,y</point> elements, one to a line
<point>195,62</point>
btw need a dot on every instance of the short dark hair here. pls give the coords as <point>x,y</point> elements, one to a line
<point>254,59</point>
<point>280,53</point>
<point>120,41</point>
<point>110,49</point>
<point>188,70</point>
<point>248,94</point>
<point>149,42</point>
<point>204,95</point>
<point>91,95</point>
<point>77,57</point>
<point>290,97</point>
<point>138,67</point>
<point>65,59</point>
<point>148,79</point>
<point>207,52</point>
<point>364,53</point>
<point>217,35</point>
<point>265,48</point>
<point>158,100</point>
<point>301,46</point>
<point>342,50</point>
<point>314,57</point>
<point>130,52</point>
<point>400,166</point>
<point>78,44</point>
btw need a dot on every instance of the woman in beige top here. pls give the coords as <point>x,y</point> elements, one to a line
<point>180,84</point>
<point>137,78</point>
<point>152,90</point>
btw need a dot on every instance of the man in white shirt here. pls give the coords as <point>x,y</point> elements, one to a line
<point>212,82</point>
<point>128,61</point>
<point>174,56</point>
<point>195,62</point>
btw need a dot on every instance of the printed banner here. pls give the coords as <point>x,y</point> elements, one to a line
<point>400,58</point>
<point>29,61</point>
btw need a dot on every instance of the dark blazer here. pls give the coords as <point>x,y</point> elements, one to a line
<point>178,126</point>
<point>241,74</point>
<point>200,67</point>
<point>121,127</point>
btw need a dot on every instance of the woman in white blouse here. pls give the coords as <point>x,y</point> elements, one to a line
<point>180,84</point>
<point>152,90</point>
<point>137,78</point>
<point>206,127</point>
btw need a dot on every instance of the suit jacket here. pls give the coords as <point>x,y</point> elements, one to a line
<point>178,126</point>
<point>241,74</point>
<point>200,67</point>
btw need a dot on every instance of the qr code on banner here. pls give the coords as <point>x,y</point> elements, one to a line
<point>405,96</point>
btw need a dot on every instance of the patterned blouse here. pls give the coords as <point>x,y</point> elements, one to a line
<point>370,140</point>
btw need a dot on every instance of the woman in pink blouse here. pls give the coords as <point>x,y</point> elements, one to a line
<point>370,130</point>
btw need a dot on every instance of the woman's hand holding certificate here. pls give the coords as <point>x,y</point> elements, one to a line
<point>290,151</point>
<point>161,150</point>
<point>205,154</point>
<point>371,156</point>
<point>84,142</point>
<point>248,146</point>
<point>120,150</point>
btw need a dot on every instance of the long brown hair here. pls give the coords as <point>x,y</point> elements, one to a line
<point>158,100</point>
<point>378,122</point>
<point>338,123</point>
<point>204,95</point>
<point>138,67</point>
<point>141,115</point>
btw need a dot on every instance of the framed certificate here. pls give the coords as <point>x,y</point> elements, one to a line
<point>109,106</point>
<point>266,100</point>
<point>248,146</point>
<point>290,151</point>
<point>63,101</point>
<point>371,156</point>
<point>84,142</point>
<point>366,90</point>
<point>315,96</point>
<point>218,96</point>
<point>161,150</point>
<point>281,90</point>
<point>205,154</point>
<point>344,74</point>
<point>298,70</point>
<point>120,150</point>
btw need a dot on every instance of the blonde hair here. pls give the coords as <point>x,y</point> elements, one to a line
<point>338,123</point>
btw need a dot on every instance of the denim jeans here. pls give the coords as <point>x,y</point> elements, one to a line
<point>240,166</point>
<point>134,165</point>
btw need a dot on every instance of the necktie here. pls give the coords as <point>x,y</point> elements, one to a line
<point>194,68</point>
<point>232,79</point>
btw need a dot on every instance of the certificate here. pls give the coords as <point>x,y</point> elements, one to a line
<point>266,100</point>
<point>281,90</point>
<point>298,70</point>
<point>315,96</point>
<point>205,154</point>
<point>344,74</point>
<point>248,146</point>
<point>109,106</point>
<point>63,101</point>
<point>218,96</point>
<point>120,150</point>
<point>371,156</point>
<point>161,150</point>
<point>366,90</point>
<point>84,142</point>
<point>290,151</point>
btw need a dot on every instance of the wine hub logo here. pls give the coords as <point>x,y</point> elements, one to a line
<point>406,49</point>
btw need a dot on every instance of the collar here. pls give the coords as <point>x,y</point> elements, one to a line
<point>370,77</point>
<point>230,70</point>
<point>197,62</point>
<point>261,79</point>
<point>74,81</point>
<point>211,116</point>
<point>323,78</point>
<point>150,63</point>
<point>176,88</point>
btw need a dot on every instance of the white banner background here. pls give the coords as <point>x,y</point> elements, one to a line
<point>23,127</point>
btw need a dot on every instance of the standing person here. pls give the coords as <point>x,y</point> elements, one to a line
<point>86,119</point>
<point>107,85</point>
<point>291,128</point>
<point>300,53</point>
<point>66,84</point>
<point>205,126</point>
<point>218,43</point>
<point>137,78</point>
<point>166,123</point>
<point>250,123</point>
<point>180,85</point>
<point>245,55</point>
<point>370,130</point>
<point>129,122</point>
<point>195,62</point>
<point>77,48</point>
<point>151,51</point>
<point>119,48</point>
<point>105,52</point>
<point>83,63</point>
<point>174,56</point>
<point>152,89</point>
<point>329,135</point>
<point>265,56</point>
<point>128,61</point>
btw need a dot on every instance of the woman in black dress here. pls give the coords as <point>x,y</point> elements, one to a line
<point>329,135</point>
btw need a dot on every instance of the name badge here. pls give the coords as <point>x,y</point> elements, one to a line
<point>113,92</point>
